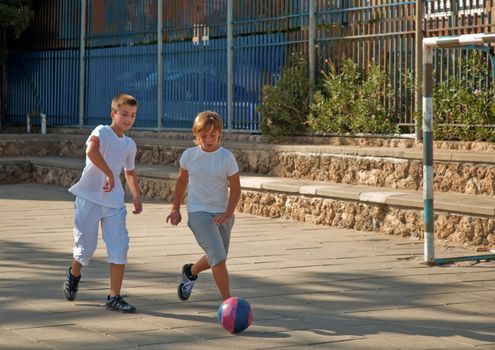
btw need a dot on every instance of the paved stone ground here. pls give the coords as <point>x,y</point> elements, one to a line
<point>310,286</point>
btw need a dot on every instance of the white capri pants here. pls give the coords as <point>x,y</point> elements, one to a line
<point>87,216</point>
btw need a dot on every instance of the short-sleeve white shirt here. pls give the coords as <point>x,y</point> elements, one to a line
<point>118,152</point>
<point>208,178</point>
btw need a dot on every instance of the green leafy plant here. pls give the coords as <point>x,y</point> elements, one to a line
<point>284,107</point>
<point>15,16</point>
<point>352,102</point>
<point>464,108</point>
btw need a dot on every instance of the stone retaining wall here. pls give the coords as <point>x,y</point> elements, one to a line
<point>39,147</point>
<point>469,178</point>
<point>406,141</point>
<point>150,188</point>
<point>16,173</point>
<point>469,231</point>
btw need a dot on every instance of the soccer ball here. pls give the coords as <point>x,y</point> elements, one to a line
<point>235,314</point>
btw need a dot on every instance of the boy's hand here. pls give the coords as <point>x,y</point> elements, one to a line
<point>222,218</point>
<point>138,206</point>
<point>109,184</point>
<point>174,217</point>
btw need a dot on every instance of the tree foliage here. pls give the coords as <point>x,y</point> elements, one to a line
<point>15,15</point>
<point>353,102</point>
<point>284,106</point>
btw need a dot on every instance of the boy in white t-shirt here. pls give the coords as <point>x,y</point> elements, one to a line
<point>208,171</point>
<point>100,200</point>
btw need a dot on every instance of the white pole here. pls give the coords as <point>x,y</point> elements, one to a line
<point>43,123</point>
<point>428,211</point>
<point>28,123</point>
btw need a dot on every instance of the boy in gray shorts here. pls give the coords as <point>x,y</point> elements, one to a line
<point>208,171</point>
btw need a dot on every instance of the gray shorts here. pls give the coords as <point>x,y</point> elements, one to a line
<point>213,238</point>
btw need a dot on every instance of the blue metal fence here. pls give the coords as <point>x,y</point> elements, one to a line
<point>259,60</point>
<point>110,71</point>
<point>121,53</point>
<point>195,79</point>
<point>44,81</point>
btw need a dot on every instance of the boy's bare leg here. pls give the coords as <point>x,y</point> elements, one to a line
<point>221,277</point>
<point>200,265</point>
<point>116,277</point>
<point>75,269</point>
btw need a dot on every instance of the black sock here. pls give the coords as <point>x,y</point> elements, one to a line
<point>72,276</point>
<point>189,273</point>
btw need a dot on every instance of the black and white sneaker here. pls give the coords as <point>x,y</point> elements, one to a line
<point>71,286</point>
<point>186,285</point>
<point>117,303</point>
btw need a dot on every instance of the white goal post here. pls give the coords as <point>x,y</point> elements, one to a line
<point>429,44</point>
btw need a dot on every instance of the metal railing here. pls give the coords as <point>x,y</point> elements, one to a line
<point>189,71</point>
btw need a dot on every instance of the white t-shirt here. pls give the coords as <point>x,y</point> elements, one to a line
<point>208,184</point>
<point>118,152</point>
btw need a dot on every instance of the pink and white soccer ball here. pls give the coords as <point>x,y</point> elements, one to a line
<point>235,314</point>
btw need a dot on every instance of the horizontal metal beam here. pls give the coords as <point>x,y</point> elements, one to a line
<point>461,40</point>
<point>478,258</point>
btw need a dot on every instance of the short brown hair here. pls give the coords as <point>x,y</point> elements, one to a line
<point>123,99</point>
<point>206,120</point>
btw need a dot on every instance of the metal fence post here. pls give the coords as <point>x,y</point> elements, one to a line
<point>312,48</point>
<point>428,212</point>
<point>418,67</point>
<point>230,64</point>
<point>82,72</point>
<point>159,86</point>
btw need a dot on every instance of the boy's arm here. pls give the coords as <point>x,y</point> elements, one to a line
<point>94,154</point>
<point>132,181</point>
<point>234,196</point>
<point>180,189</point>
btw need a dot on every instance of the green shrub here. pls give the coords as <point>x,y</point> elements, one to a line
<point>284,107</point>
<point>351,102</point>
<point>463,108</point>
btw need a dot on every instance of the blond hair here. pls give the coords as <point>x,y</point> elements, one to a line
<point>205,121</point>
<point>123,99</point>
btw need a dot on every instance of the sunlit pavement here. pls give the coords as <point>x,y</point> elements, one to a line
<point>310,286</point>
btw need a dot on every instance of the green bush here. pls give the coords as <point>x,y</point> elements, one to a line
<point>352,102</point>
<point>464,107</point>
<point>284,107</point>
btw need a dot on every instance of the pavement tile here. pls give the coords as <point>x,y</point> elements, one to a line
<point>10,340</point>
<point>56,332</point>
<point>311,287</point>
<point>95,342</point>
<point>150,337</point>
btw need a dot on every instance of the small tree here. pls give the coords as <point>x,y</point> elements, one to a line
<point>15,16</point>
<point>284,107</point>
